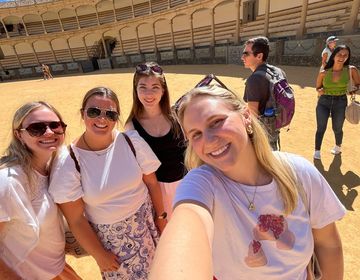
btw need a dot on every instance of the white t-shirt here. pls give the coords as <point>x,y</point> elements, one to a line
<point>328,52</point>
<point>263,244</point>
<point>32,242</point>
<point>110,181</point>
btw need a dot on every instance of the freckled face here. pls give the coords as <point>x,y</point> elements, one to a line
<point>216,133</point>
<point>149,91</point>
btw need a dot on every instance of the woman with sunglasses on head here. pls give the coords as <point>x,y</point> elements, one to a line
<point>31,233</point>
<point>332,87</point>
<point>243,211</point>
<point>106,188</point>
<point>151,117</point>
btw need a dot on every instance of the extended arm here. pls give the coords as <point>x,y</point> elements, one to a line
<point>80,227</point>
<point>329,252</point>
<point>153,186</point>
<point>184,251</point>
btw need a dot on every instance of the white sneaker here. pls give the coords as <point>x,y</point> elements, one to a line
<point>317,154</point>
<point>336,150</point>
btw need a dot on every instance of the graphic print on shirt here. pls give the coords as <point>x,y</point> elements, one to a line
<point>269,227</point>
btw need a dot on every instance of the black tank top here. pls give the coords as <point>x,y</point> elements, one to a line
<point>169,150</point>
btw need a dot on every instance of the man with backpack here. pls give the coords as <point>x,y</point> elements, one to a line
<point>267,92</point>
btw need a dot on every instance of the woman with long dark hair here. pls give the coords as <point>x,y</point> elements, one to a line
<point>152,118</point>
<point>332,86</point>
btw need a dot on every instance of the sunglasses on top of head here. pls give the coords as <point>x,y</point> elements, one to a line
<point>206,81</point>
<point>143,68</point>
<point>38,129</point>
<point>94,112</point>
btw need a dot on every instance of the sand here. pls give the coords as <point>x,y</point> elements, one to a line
<point>342,171</point>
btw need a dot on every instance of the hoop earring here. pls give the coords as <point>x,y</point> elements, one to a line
<point>250,131</point>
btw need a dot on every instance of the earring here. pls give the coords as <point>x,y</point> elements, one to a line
<point>250,131</point>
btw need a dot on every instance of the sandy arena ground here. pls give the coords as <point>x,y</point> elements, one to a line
<point>342,171</point>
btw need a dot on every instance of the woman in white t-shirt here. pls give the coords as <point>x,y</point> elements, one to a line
<point>243,211</point>
<point>328,50</point>
<point>106,187</point>
<point>31,233</point>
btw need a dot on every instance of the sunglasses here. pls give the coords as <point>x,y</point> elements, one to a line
<point>246,53</point>
<point>38,129</point>
<point>203,83</point>
<point>94,112</point>
<point>141,68</point>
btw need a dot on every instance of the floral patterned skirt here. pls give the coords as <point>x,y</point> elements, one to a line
<point>133,240</point>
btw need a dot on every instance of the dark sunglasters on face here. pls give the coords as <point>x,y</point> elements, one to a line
<point>38,129</point>
<point>141,68</point>
<point>94,112</point>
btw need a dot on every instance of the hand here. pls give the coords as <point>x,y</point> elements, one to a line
<point>107,262</point>
<point>160,223</point>
<point>320,91</point>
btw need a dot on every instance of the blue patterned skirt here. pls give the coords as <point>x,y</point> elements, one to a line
<point>133,240</point>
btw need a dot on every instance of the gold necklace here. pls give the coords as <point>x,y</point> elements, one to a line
<point>251,205</point>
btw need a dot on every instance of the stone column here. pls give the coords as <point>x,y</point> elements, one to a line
<point>61,25</point>
<point>52,50</point>
<point>33,49</point>
<point>349,27</point>
<point>6,32</point>
<point>71,54</point>
<point>237,27</point>
<point>301,30</point>
<point>267,15</point>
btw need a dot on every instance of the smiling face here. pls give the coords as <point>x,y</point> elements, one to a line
<point>149,91</point>
<point>42,146</point>
<point>100,125</point>
<point>216,133</point>
<point>342,56</point>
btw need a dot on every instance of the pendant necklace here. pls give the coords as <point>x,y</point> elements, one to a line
<point>87,145</point>
<point>251,205</point>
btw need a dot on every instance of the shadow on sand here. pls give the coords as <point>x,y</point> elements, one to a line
<point>342,184</point>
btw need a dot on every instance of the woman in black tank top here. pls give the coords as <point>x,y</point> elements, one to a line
<point>152,118</point>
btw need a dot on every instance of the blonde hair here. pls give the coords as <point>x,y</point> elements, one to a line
<point>18,153</point>
<point>278,167</point>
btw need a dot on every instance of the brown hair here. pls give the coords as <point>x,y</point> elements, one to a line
<point>138,108</point>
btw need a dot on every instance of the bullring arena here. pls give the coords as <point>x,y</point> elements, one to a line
<point>89,43</point>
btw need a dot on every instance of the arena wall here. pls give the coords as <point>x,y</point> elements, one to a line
<point>122,33</point>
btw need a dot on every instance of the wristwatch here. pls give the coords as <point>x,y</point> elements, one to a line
<point>162,216</point>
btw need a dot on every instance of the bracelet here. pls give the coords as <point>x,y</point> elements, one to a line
<point>162,216</point>
<point>319,88</point>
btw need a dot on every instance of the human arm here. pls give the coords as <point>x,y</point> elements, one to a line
<point>319,83</point>
<point>6,273</point>
<point>324,59</point>
<point>355,78</point>
<point>80,227</point>
<point>184,250</point>
<point>329,252</point>
<point>153,186</point>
